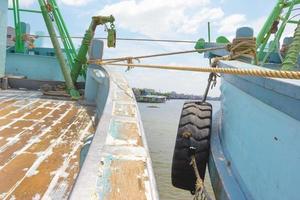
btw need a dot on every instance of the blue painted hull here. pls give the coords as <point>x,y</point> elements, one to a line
<point>255,142</point>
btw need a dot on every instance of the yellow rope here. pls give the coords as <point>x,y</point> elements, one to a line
<point>200,192</point>
<point>245,46</point>
<point>233,71</point>
<point>239,47</point>
<point>199,182</point>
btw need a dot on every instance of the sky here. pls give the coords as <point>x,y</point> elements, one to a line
<point>159,19</point>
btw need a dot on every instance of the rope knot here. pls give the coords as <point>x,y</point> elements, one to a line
<point>130,62</point>
<point>245,47</point>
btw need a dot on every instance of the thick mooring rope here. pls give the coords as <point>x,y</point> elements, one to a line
<point>245,46</point>
<point>233,71</point>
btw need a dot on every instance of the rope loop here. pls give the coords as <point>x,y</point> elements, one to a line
<point>245,46</point>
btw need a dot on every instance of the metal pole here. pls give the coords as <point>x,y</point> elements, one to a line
<point>63,31</point>
<point>27,10</point>
<point>19,45</point>
<point>278,35</point>
<point>209,38</point>
<point>261,37</point>
<point>59,54</point>
<point>208,29</point>
<point>3,29</point>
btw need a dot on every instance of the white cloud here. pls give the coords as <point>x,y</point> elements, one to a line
<point>257,25</point>
<point>23,3</point>
<point>28,3</point>
<point>168,18</point>
<point>229,24</point>
<point>75,2</point>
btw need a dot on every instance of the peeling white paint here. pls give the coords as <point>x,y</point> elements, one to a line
<point>36,197</point>
<point>113,141</point>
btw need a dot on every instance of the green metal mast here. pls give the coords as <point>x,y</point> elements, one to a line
<point>63,31</point>
<point>59,54</point>
<point>19,45</point>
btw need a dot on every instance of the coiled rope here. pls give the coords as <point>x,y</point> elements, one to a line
<point>245,46</point>
<point>233,71</point>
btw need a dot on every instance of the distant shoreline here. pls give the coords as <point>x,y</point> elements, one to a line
<point>209,99</point>
<point>138,92</point>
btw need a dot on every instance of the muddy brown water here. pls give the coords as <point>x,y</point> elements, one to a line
<point>160,125</point>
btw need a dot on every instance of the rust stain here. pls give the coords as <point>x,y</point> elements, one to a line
<point>129,131</point>
<point>127,177</point>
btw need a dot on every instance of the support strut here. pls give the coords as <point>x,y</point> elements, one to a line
<point>59,54</point>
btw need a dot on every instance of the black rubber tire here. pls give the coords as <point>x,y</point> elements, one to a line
<point>195,119</point>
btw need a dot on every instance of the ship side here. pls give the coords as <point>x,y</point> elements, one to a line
<point>254,143</point>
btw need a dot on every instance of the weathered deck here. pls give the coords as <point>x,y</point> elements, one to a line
<point>118,165</point>
<point>40,142</point>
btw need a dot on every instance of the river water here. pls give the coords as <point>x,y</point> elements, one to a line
<point>160,122</point>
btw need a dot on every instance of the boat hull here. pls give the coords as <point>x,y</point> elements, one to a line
<point>254,146</point>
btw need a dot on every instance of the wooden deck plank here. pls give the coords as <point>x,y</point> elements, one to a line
<point>127,177</point>
<point>40,144</point>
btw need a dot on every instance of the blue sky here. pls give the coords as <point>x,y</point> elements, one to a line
<point>159,19</point>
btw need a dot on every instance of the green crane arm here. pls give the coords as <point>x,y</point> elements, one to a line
<point>20,45</point>
<point>76,62</point>
<point>81,59</point>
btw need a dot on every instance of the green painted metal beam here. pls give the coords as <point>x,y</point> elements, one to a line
<point>264,35</point>
<point>63,31</point>
<point>59,54</point>
<point>275,42</point>
<point>19,45</point>
<point>81,59</point>
<point>27,10</point>
<point>281,12</point>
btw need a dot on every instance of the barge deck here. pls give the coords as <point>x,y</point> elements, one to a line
<point>40,143</point>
